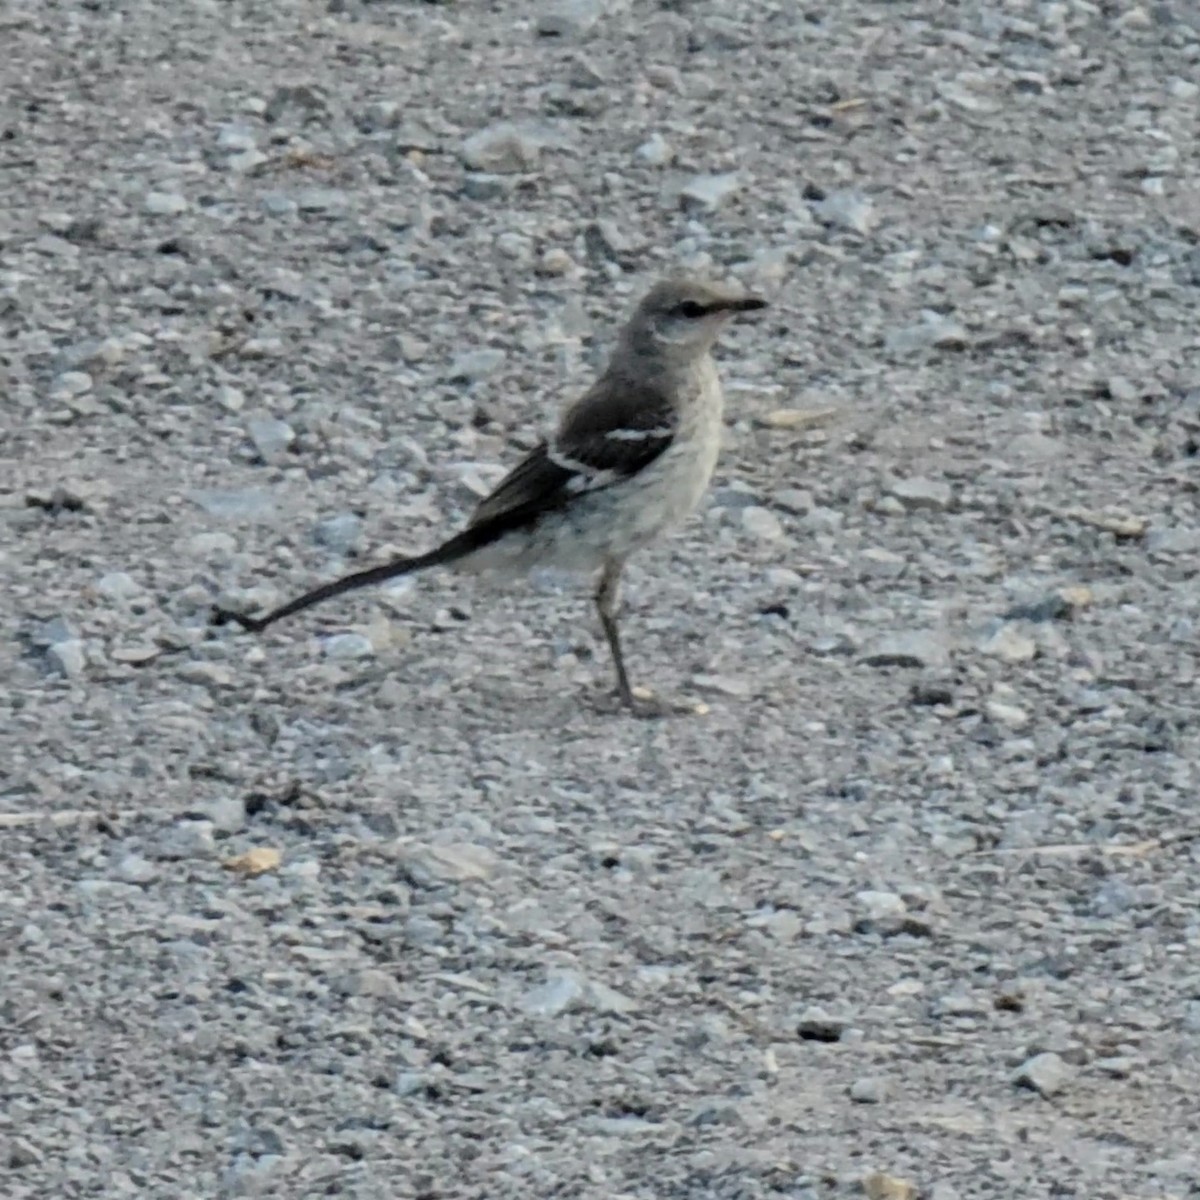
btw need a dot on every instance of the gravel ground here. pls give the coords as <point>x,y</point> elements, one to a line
<point>383,906</point>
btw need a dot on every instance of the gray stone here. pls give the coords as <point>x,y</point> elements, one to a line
<point>296,101</point>
<point>920,648</point>
<point>186,838</point>
<point>341,533</point>
<point>1009,715</point>
<point>235,139</point>
<point>246,161</point>
<point>502,149</point>
<point>869,1090</point>
<point>448,862</point>
<point>1047,1074</point>
<point>880,905</point>
<point>410,1083</point>
<point>934,331</point>
<point>655,151</point>
<point>369,981</point>
<point>69,657</point>
<point>560,993</point>
<point>109,889</point>
<point>1191,1016</point>
<point>816,1025</point>
<point>604,999</point>
<point>279,204</point>
<point>252,503</point>
<point>709,192</point>
<point>53,631</point>
<point>960,93</point>
<point>570,18</point>
<point>1173,540</point>
<point>475,365</point>
<point>216,544</point>
<point>761,523</point>
<point>959,1004</point>
<point>16,1153</point>
<point>133,868</point>
<point>484,186</point>
<point>322,200</point>
<point>206,674</point>
<point>117,585</point>
<point>1010,645</point>
<point>847,210</point>
<point>164,204</point>
<point>348,646</point>
<point>272,438</point>
<point>70,384</point>
<point>227,814</point>
<point>922,493</point>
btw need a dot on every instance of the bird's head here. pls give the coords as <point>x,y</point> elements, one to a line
<point>680,319</point>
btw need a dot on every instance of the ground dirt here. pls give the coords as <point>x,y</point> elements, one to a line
<point>386,904</point>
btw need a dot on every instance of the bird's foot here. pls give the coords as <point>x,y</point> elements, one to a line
<point>642,703</point>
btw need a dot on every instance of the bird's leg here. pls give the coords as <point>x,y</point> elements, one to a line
<point>608,603</point>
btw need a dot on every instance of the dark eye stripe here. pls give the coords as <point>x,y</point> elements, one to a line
<point>692,309</point>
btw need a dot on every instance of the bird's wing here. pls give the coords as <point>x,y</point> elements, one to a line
<point>613,432</point>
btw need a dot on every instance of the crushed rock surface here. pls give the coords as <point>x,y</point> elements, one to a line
<point>384,905</point>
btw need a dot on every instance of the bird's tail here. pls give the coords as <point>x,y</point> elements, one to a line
<point>457,547</point>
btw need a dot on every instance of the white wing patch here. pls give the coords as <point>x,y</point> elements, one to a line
<point>583,478</point>
<point>640,435</point>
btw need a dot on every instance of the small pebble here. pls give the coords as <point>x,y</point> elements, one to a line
<point>133,868</point>
<point>761,523</point>
<point>869,1090</point>
<point>847,210</point>
<point>1010,645</point>
<point>816,1025</point>
<point>915,649</point>
<point>164,204</point>
<point>69,657</point>
<point>348,646</point>
<point>922,493</point>
<point>502,149</point>
<point>655,151</point>
<point>558,994</point>
<point>272,438</point>
<point>710,191</point>
<point>1047,1074</point>
<point>475,365</point>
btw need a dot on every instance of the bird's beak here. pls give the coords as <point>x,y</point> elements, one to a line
<point>740,304</point>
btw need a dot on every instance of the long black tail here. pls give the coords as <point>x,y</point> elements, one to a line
<point>457,547</point>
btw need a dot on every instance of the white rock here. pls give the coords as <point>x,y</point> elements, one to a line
<point>1007,714</point>
<point>761,523</point>
<point>69,656</point>
<point>164,204</point>
<point>655,151</point>
<point>1010,645</point>
<point>1046,1074</point>
<point>271,437</point>
<point>710,191</point>
<point>922,493</point>
<point>70,384</point>
<point>348,646</point>
<point>502,149</point>
<point>117,585</point>
<point>848,210</point>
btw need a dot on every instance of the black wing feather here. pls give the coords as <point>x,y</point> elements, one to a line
<point>611,434</point>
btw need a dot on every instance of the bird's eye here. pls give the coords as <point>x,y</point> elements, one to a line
<point>691,309</point>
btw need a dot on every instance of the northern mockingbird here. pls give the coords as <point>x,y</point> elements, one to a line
<point>629,460</point>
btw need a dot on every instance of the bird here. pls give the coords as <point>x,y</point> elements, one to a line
<point>628,462</point>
